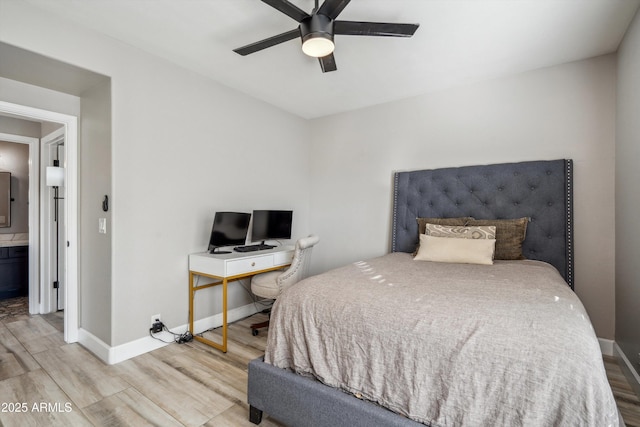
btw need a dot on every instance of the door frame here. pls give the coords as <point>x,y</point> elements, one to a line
<point>70,123</point>
<point>34,210</point>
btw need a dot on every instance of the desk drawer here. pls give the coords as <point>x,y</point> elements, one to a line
<point>248,265</point>
<point>282,258</point>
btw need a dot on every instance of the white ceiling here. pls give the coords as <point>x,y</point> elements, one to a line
<point>458,42</point>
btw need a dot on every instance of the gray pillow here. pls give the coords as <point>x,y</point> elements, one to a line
<point>510,234</point>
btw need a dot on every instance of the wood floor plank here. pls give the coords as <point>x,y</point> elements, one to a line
<point>15,364</point>
<point>225,380</point>
<point>14,358</point>
<point>8,342</point>
<point>55,319</point>
<point>45,343</point>
<point>80,374</point>
<point>129,408</point>
<point>187,400</point>
<point>626,399</point>
<point>236,416</point>
<point>33,328</point>
<point>46,404</point>
<point>36,334</point>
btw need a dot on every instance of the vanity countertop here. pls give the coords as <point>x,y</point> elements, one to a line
<point>17,239</point>
<point>6,243</point>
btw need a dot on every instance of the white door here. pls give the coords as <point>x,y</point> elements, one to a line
<point>53,226</point>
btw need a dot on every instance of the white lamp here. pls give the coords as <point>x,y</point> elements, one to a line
<point>54,176</point>
<point>318,46</point>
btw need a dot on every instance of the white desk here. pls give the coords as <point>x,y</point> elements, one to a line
<point>226,268</point>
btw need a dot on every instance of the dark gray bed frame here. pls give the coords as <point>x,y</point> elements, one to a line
<point>540,190</point>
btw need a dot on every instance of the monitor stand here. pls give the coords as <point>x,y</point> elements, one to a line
<point>214,251</point>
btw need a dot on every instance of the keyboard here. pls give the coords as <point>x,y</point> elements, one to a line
<point>251,248</point>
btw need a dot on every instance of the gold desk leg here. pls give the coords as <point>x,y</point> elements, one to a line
<point>224,282</point>
<point>222,347</point>
<point>191,298</point>
<point>224,315</point>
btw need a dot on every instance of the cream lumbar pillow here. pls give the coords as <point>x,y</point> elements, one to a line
<point>447,249</point>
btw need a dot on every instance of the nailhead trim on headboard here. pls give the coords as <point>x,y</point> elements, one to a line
<point>540,190</point>
<point>569,219</point>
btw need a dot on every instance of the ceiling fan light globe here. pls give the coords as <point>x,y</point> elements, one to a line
<point>318,47</point>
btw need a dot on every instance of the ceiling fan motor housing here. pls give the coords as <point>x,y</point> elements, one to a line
<point>316,25</point>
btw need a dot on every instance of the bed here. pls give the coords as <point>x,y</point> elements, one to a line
<point>436,343</point>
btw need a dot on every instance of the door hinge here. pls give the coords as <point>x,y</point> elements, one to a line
<point>56,284</point>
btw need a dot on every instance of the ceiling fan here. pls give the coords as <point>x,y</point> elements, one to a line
<point>316,30</point>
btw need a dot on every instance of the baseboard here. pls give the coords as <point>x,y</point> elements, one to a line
<point>606,346</point>
<point>120,353</point>
<point>94,344</point>
<point>627,368</point>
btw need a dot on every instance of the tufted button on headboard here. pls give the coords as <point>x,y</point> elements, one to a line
<point>540,190</point>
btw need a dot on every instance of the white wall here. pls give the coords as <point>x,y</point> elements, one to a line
<point>95,178</point>
<point>628,196</point>
<point>183,147</point>
<point>567,111</point>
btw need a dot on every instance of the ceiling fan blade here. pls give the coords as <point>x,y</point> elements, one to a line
<point>385,29</point>
<point>288,9</point>
<point>332,8</point>
<point>271,41</point>
<point>328,63</point>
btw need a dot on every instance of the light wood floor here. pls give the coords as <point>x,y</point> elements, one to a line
<point>178,385</point>
<point>626,398</point>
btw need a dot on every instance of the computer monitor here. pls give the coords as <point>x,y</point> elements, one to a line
<point>271,225</point>
<point>229,228</point>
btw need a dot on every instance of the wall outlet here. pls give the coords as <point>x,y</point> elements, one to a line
<point>154,320</point>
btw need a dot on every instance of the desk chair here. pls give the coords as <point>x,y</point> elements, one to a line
<point>270,285</point>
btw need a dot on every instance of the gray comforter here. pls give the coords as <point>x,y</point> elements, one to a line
<point>448,344</point>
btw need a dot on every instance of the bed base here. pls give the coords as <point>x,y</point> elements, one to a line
<point>295,400</point>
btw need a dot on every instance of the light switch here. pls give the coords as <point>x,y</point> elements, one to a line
<point>102,225</point>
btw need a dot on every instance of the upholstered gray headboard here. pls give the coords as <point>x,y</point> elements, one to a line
<point>540,190</point>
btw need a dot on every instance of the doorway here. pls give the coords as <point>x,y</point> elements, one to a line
<point>33,213</point>
<point>41,299</point>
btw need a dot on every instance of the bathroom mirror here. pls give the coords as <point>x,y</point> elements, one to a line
<point>5,199</point>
